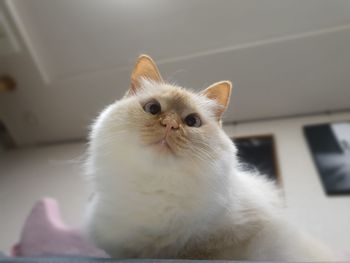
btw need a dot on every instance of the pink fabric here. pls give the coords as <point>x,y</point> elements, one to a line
<point>44,233</point>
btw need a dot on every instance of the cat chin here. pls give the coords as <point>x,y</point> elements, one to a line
<point>162,147</point>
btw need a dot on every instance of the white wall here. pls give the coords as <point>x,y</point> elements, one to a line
<point>29,174</point>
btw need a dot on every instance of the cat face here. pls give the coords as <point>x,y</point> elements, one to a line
<point>172,121</point>
<point>166,120</point>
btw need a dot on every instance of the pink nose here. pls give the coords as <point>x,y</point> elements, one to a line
<point>170,122</point>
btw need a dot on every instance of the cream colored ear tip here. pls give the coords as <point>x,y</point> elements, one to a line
<point>227,82</point>
<point>144,56</point>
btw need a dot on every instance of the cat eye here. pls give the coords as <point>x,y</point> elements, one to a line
<point>193,120</point>
<point>152,107</point>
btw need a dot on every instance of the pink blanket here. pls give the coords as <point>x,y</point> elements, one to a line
<point>44,233</point>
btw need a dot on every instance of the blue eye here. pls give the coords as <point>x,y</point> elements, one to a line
<point>193,120</point>
<point>152,107</point>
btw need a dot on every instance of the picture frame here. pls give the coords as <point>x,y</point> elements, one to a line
<point>329,145</point>
<point>258,152</point>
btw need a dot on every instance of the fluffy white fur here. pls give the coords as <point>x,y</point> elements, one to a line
<point>204,207</point>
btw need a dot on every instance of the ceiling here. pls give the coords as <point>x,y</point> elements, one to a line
<point>285,57</point>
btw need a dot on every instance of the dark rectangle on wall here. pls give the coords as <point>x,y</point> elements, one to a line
<point>330,147</point>
<point>258,153</point>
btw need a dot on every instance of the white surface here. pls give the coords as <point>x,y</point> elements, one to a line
<point>27,175</point>
<point>284,57</point>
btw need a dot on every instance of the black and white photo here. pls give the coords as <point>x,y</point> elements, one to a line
<point>330,147</point>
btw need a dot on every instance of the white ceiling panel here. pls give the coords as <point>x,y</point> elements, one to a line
<point>74,37</point>
<point>285,57</point>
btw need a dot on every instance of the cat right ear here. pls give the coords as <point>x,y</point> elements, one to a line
<point>145,68</point>
<point>221,93</point>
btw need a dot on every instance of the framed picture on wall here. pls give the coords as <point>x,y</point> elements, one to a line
<point>330,147</point>
<point>259,153</point>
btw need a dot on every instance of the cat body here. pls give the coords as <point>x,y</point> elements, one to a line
<point>167,183</point>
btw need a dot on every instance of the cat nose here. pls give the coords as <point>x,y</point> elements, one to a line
<point>170,122</point>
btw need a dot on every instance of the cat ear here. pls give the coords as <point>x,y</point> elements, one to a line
<point>220,92</point>
<point>145,68</point>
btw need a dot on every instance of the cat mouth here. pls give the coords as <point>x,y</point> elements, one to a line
<point>162,146</point>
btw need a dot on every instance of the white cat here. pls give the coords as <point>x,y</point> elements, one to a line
<point>167,183</point>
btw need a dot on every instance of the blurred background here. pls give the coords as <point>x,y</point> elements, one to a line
<point>62,62</point>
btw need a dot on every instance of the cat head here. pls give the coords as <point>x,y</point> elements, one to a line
<point>165,120</point>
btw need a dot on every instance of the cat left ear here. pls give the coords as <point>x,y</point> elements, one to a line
<point>145,68</point>
<point>221,93</point>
